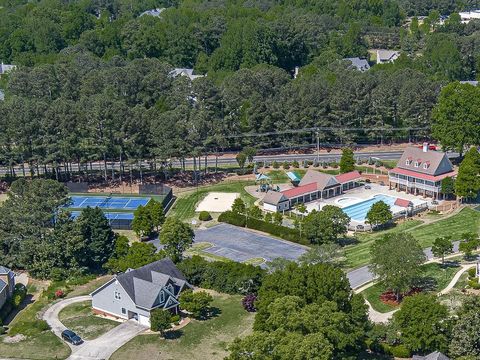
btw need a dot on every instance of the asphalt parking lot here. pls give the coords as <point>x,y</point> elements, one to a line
<point>241,244</point>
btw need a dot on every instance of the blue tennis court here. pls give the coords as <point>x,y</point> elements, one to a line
<point>104,202</point>
<point>109,215</point>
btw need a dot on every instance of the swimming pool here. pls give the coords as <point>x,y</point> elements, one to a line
<point>358,211</point>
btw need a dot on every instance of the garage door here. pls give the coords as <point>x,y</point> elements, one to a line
<point>143,320</point>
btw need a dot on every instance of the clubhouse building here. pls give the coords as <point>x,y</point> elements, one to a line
<point>420,171</point>
<point>314,185</point>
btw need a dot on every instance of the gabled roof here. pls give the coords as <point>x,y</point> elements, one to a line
<point>300,190</point>
<point>433,356</point>
<point>438,161</point>
<point>3,285</point>
<point>402,202</point>
<point>274,197</point>
<point>359,64</point>
<point>184,72</point>
<point>347,177</point>
<point>471,82</point>
<point>4,270</point>
<point>145,283</point>
<point>322,180</point>
<point>387,55</point>
<point>419,175</point>
<point>153,12</point>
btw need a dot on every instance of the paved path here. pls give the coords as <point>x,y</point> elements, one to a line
<point>100,348</point>
<point>456,278</point>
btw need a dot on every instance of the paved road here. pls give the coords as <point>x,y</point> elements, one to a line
<point>227,160</point>
<point>100,348</point>
<point>362,275</point>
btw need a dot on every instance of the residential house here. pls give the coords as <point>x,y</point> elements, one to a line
<point>314,185</point>
<point>184,72</point>
<point>135,293</point>
<point>2,95</point>
<point>471,82</point>
<point>387,56</point>
<point>467,16</point>
<point>4,68</point>
<point>359,64</point>
<point>153,12</point>
<point>420,171</point>
<point>7,284</point>
<point>433,356</point>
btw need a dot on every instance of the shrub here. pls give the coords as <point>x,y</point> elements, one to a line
<point>18,295</point>
<point>248,302</point>
<point>232,218</point>
<point>160,320</point>
<point>59,294</point>
<point>378,163</point>
<point>286,165</point>
<point>400,351</point>
<point>295,164</point>
<point>473,283</point>
<point>204,216</point>
<point>472,273</point>
<point>175,319</point>
<point>275,165</point>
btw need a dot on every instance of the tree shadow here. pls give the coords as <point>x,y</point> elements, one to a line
<point>426,283</point>
<point>348,241</point>
<point>211,313</point>
<point>27,301</point>
<point>173,334</point>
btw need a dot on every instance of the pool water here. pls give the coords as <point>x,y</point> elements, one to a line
<point>358,211</point>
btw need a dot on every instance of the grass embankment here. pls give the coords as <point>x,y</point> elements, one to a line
<point>467,220</point>
<point>207,339</point>
<point>79,318</point>
<point>186,203</point>
<point>435,276</point>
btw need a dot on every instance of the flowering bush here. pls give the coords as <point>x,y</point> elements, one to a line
<point>248,302</point>
<point>59,294</point>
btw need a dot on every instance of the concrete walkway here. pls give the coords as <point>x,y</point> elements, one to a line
<point>456,278</point>
<point>100,348</point>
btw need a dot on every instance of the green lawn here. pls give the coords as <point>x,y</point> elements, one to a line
<point>467,220</point>
<point>199,340</point>
<point>358,254</point>
<point>434,274</point>
<point>79,318</point>
<point>184,206</point>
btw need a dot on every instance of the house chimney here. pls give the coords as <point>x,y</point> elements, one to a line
<point>425,147</point>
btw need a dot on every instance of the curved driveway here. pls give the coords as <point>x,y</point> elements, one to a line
<point>100,348</point>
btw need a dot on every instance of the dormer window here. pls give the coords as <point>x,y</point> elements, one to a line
<point>425,166</point>
<point>407,162</point>
<point>170,288</point>
<point>162,296</point>
<point>417,164</point>
<point>117,295</point>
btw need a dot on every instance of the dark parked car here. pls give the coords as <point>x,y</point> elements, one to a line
<point>367,187</point>
<point>71,337</point>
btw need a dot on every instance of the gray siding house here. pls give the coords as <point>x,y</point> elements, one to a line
<point>7,284</point>
<point>135,293</point>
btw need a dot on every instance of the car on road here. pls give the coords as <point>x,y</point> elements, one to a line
<point>367,187</point>
<point>71,337</point>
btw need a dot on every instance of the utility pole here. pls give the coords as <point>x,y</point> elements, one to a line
<point>317,133</point>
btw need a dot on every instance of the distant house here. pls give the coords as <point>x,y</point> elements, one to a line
<point>314,185</point>
<point>184,72</point>
<point>7,284</point>
<point>135,293</point>
<point>421,171</point>
<point>471,82</point>
<point>359,64</point>
<point>387,56</point>
<point>467,16</point>
<point>2,95</point>
<point>4,68</point>
<point>153,12</point>
<point>433,356</point>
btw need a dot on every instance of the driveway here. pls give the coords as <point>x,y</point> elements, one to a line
<point>100,348</point>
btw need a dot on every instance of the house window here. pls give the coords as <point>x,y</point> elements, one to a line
<point>407,162</point>
<point>416,164</point>
<point>170,288</point>
<point>425,166</point>
<point>162,297</point>
<point>117,295</point>
<point>124,311</point>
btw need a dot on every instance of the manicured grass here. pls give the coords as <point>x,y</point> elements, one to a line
<point>358,254</point>
<point>185,205</point>
<point>467,220</point>
<point>130,234</point>
<point>3,197</point>
<point>89,287</point>
<point>434,274</point>
<point>199,340</point>
<point>79,318</point>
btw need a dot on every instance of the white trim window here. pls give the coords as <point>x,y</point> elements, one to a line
<point>117,295</point>
<point>425,166</point>
<point>417,164</point>
<point>162,296</point>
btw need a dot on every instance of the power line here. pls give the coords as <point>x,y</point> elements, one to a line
<point>307,130</point>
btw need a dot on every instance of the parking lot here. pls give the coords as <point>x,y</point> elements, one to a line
<point>240,244</point>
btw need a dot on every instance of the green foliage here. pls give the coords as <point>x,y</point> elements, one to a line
<point>254,212</point>
<point>347,162</point>
<point>466,336</point>
<point>283,232</point>
<point>422,322</point>
<point>238,206</point>
<point>442,246</point>
<point>379,214</point>
<point>176,237</point>
<point>160,320</point>
<point>227,277</point>
<point>18,295</point>
<point>389,256</point>
<point>148,218</point>
<point>448,186</point>
<point>469,244</point>
<point>197,303</point>
<point>204,216</point>
<point>136,255</point>
<point>467,183</point>
<point>327,225</point>
<point>329,253</point>
<point>278,218</point>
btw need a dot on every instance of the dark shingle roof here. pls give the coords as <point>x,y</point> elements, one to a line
<point>143,284</point>
<point>433,356</point>
<point>322,180</point>
<point>438,162</point>
<point>274,197</point>
<point>3,285</point>
<point>4,270</point>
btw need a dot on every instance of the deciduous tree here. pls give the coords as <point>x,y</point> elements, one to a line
<point>176,237</point>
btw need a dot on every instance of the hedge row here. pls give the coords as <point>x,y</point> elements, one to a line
<point>283,232</point>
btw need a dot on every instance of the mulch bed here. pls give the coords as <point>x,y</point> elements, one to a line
<point>389,298</point>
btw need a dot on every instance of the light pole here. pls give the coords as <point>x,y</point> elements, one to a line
<point>317,133</point>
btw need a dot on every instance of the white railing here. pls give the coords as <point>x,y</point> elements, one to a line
<point>414,184</point>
